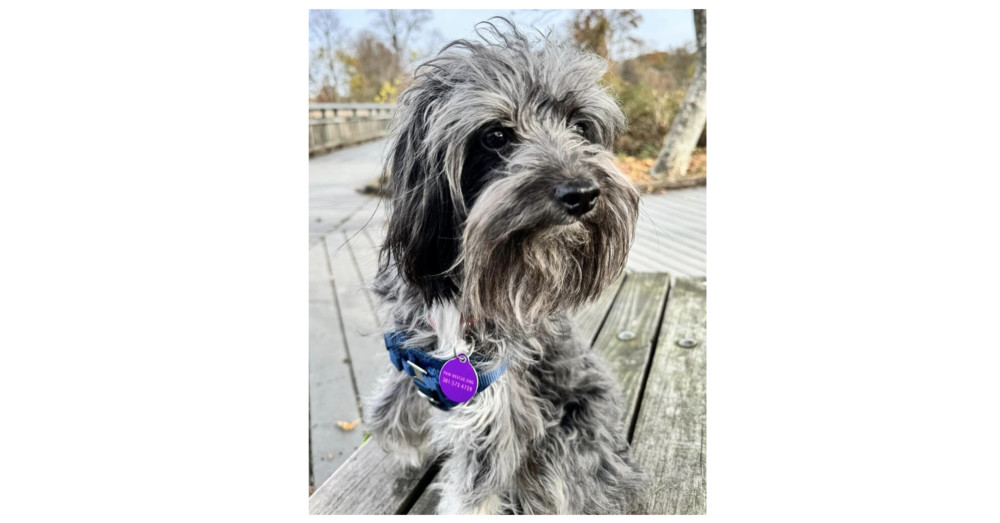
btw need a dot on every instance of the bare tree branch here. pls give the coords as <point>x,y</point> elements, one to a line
<point>326,36</point>
<point>397,26</point>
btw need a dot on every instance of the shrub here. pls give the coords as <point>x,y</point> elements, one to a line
<point>649,112</point>
<point>650,88</point>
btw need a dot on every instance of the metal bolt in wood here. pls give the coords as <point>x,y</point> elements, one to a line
<point>626,335</point>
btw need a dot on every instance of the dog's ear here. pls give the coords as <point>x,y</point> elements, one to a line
<point>423,237</point>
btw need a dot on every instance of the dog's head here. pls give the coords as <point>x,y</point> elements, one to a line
<point>504,194</point>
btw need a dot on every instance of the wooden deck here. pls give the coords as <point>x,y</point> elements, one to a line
<point>346,350</point>
<point>663,380</point>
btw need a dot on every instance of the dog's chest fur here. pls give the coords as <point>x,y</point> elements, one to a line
<point>555,415</point>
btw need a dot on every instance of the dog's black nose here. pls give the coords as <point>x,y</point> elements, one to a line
<point>578,196</point>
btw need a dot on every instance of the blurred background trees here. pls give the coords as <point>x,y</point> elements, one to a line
<point>370,66</point>
<point>688,124</point>
<point>326,64</point>
<point>653,88</point>
<point>374,64</point>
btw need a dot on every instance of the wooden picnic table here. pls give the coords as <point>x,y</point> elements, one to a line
<point>652,332</point>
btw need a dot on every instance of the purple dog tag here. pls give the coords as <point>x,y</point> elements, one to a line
<point>458,379</point>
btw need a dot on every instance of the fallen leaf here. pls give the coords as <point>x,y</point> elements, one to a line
<point>347,426</point>
<point>637,169</point>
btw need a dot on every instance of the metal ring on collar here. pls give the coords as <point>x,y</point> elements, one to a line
<point>472,346</point>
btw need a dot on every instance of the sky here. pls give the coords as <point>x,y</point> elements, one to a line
<point>660,29</point>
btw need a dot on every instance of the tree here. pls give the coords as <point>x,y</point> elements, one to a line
<point>689,122</point>
<point>371,69</point>
<point>396,26</point>
<point>369,66</point>
<point>605,32</point>
<point>326,70</point>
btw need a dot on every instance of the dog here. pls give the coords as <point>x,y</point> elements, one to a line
<point>506,213</point>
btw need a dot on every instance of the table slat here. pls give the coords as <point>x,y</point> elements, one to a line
<point>369,482</point>
<point>669,439</point>
<point>590,317</point>
<point>329,376</point>
<point>637,309</point>
<point>361,328</point>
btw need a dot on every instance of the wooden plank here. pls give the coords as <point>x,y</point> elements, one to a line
<point>667,228</point>
<point>320,289</point>
<point>641,261</point>
<point>428,501</point>
<point>667,242</point>
<point>669,438</point>
<point>377,234</point>
<point>663,258</point>
<point>361,329</point>
<point>691,242</point>
<point>329,376</point>
<point>636,310</point>
<point>370,482</point>
<point>365,256</point>
<point>687,214</point>
<point>590,317</point>
<point>678,200</point>
<point>664,225</point>
<point>693,225</point>
<point>365,259</point>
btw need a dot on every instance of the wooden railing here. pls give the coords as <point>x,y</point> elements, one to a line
<point>336,125</point>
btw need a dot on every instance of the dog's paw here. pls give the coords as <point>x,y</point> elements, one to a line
<point>451,504</point>
<point>406,455</point>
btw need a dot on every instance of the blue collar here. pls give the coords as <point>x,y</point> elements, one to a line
<point>425,369</point>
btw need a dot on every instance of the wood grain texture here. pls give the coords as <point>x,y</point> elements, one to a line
<point>370,482</point>
<point>320,289</point>
<point>670,234</point>
<point>365,258</point>
<point>427,502</point>
<point>637,309</point>
<point>329,376</point>
<point>590,317</point>
<point>669,438</point>
<point>361,328</point>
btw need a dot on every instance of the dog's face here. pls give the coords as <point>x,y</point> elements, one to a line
<point>504,194</point>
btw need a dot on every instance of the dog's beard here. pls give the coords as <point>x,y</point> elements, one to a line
<point>525,259</point>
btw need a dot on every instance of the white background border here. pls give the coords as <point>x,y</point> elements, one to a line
<point>153,209</point>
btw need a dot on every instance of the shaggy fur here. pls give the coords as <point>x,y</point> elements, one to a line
<point>483,138</point>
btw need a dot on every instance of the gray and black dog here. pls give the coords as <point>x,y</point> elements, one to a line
<point>506,213</point>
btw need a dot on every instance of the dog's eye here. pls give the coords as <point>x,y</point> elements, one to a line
<point>495,139</point>
<point>580,128</point>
